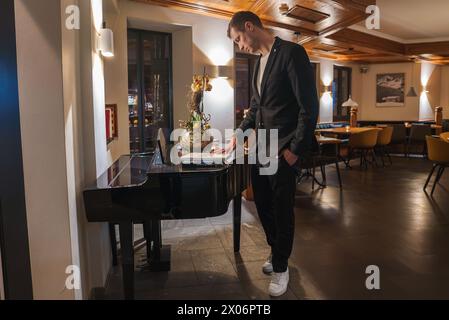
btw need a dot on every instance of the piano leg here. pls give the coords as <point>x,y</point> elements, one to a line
<point>237,219</point>
<point>126,244</point>
<point>147,234</point>
<point>156,234</point>
<point>158,255</point>
<point>113,239</point>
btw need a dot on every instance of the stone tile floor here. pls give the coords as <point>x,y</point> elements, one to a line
<point>381,217</point>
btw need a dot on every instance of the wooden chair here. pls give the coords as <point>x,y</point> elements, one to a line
<point>418,133</point>
<point>306,169</point>
<point>399,136</point>
<point>445,136</point>
<point>383,141</point>
<point>438,153</point>
<point>329,154</point>
<point>364,142</point>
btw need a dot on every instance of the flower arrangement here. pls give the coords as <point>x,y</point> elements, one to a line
<point>197,120</point>
<point>200,84</point>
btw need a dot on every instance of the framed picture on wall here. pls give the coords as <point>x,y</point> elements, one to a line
<point>111,122</point>
<point>390,90</point>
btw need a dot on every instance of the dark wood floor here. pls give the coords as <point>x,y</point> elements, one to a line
<point>382,217</point>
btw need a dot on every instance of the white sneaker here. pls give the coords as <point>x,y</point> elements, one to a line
<point>278,284</point>
<point>267,267</point>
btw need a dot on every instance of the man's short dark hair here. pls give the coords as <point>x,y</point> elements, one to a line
<point>240,18</point>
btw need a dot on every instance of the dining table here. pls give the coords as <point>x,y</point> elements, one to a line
<point>346,131</point>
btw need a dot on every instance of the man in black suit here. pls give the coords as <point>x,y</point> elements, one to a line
<point>285,98</point>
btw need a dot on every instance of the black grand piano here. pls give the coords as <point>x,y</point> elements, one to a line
<point>143,189</point>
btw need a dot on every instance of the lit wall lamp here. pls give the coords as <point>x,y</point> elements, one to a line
<point>283,8</point>
<point>106,42</point>
<point>221,72</point>
<point>224,72</point>
<point>326,89</point>
<point>424,89</point>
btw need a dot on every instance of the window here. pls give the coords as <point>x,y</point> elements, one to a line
<point>341,89</point>
<point>149,87</point>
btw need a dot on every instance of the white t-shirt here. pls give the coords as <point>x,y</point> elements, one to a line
<point>263,64</point>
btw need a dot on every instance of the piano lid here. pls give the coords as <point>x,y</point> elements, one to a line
<point>128,170</point>
<point>133,170</point>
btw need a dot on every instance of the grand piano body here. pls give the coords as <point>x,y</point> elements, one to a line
<point>141,189</point>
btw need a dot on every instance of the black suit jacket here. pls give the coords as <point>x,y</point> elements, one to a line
<point>288,99</point>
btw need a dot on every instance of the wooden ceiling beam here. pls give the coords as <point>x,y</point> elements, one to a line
<point>368,41</point>
<point>350,4</point>
<point>341,25</point>
<point>349,45</point>
<point>367,48</point>
<point>189,7</point>
<point>427,48</point>
<point>220,13</point>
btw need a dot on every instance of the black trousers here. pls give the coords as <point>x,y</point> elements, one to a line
<point>275,198</point>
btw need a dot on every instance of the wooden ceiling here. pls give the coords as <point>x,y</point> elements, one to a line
<point>321,26</point>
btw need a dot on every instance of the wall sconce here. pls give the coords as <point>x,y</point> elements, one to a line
<point>424,89</point>
<point>326,89</point>
<point>283,8</point>
<point>221,72</point>
<point>224,72</point>
<point>106,42</point>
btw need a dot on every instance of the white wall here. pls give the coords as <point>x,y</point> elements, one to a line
<point>431,80</point>
<point>98,90</point>
<point>43,144</point>
<point>73,139</point>
<point>116,83</point>
<point>415,108</point>
<point>61,95</point>
<point>208,45</point>
<point>326,76</point>
<point>367,105</point>
<point>95,156</point>
<point>182,72</point>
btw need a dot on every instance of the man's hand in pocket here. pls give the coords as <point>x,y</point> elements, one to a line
<point>290,157</point>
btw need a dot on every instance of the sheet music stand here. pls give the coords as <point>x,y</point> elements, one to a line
<point>163,139</point>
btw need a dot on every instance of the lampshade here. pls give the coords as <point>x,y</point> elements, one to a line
<point>412,92</point>
<point>106,42</point>
<point>350,103</point>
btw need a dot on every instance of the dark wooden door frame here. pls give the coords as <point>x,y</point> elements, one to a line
<point>13,221</point>
<point>339,70</point>
<point>251,59</point>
